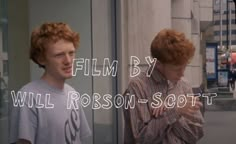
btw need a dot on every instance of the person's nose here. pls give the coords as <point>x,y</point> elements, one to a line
<point>67,59</point>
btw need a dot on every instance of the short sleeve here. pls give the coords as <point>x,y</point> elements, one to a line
<point>23,124</point>
<point>84,127</point>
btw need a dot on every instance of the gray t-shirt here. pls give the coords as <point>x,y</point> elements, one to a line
<point>48,120</point>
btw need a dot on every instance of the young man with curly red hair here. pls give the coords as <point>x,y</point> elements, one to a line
<point>53,47</point>
<point>162,119</point>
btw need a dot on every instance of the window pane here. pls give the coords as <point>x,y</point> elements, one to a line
<point>5,67</point>
<point>3,74</point>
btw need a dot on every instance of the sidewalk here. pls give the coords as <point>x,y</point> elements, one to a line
<point>225,100</point>
<point>219,128</point>
<point>220,119</point>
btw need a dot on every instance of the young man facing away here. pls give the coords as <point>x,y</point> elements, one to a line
<point>147,124</point>
<point>53,47</point>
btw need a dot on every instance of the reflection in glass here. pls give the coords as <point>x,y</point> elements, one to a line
<point>3,74</point>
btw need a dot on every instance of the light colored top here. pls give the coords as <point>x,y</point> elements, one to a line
<point>57,125</point>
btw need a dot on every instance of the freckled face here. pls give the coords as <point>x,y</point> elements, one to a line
<point>58,60</point>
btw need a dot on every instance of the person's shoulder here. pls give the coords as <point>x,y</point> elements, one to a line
<point>68,87</point>
<point>138,80</point>
<point>30,86</point>
<point>186,86</point>
<point>185,83</point>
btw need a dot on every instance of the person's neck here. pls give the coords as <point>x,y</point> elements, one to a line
<point>57,83</point>
<point>161,73</point>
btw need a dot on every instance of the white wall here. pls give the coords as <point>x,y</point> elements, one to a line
<point>181,16</point>
<point>144,20</point>
<point>186,18</point>
<point>206,7</point>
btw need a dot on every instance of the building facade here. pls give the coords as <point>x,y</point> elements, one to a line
<point>224,20</point>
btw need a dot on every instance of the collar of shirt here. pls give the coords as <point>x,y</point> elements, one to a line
<point>160,79</point>
<point>158,76</point>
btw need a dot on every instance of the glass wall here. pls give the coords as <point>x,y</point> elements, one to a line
<point>103,40</point>
<point>95,23</point>
<point>3,73</point>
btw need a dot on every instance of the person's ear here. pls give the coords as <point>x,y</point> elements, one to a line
<point>158,64</point>
<point>41,60</point>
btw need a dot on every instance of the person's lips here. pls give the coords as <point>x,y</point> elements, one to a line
<point>67,69</point>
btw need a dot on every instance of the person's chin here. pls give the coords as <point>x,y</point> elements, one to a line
<point>67,75</point>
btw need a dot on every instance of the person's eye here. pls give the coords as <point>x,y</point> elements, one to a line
<point>72,53</point>
<point>59,55</point>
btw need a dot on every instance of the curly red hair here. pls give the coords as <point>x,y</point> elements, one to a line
<point>172,47</point>
<point>49,33</point>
